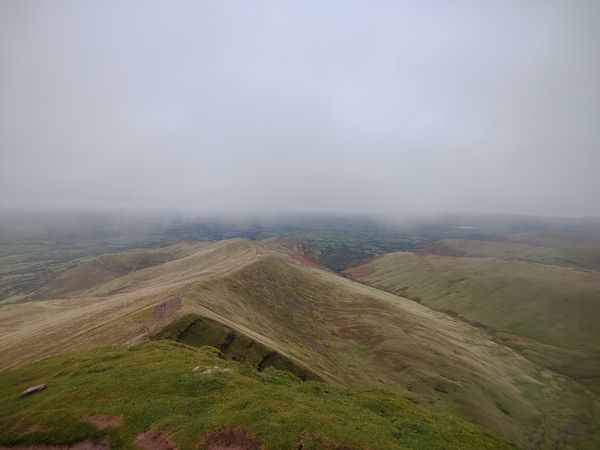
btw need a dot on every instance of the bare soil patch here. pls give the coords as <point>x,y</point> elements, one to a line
<point>231,438</point>
<point>87,444</point>
<point>166,310</point>
<point>307,260</point>
<point>163,311</point>
<point>152,439</point>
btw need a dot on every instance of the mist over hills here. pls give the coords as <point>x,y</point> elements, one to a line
<point>61,238</point>
<point>265,225</point>
<point>490,319</point>
<point>383,107</point>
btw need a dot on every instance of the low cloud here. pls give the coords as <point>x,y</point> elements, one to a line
<point>385,107</point>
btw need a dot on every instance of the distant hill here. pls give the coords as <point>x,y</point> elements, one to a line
<point>274,295</point>
<point>544,248</point>
<point>544,301</point>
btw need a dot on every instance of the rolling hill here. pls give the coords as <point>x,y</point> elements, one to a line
<point>350,335</point>
<point>526,295</point>
<point>577,252</point>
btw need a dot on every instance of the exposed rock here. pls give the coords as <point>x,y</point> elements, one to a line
<point>33,390</point>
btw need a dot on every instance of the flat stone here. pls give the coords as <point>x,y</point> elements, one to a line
<point>33,390</point>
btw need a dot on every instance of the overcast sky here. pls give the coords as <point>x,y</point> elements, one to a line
<point>394,107</point>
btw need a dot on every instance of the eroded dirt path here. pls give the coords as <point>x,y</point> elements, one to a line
<point>162,312</point>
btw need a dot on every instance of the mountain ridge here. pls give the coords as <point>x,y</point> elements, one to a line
<point>349,334</point>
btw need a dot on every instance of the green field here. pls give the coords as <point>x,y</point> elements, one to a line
<point>198,331</point>
<point>187,393</point>
<point>550,312</point>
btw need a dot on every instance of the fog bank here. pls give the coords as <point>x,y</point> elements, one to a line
<point>377,107</point>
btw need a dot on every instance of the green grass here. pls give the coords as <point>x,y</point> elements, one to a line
<point>155,385</point>
<point>350,335</point>
<point>198,331</point>
<point>549,312</point>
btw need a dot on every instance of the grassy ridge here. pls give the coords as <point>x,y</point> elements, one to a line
<point>549,312</point>
<point>188,391</point>
<point>108,267</point>
<point>112,312</point>
<point>556,305</point>
<point>351,335</point>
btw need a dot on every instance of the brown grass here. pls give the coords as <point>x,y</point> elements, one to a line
<point>347,333</point>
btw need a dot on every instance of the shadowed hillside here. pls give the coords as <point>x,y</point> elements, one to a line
<point>198,331</point>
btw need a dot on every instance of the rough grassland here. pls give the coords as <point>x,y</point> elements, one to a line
<point>113,312</point>
<point>356,336</point>
<point>108,267</point>
<point>551,313</point>
<point>349,334</point>
<point>190,392</point>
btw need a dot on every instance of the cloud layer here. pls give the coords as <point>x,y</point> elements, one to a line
<point>266,106</point>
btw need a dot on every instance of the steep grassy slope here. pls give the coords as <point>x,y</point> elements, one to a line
<point>116,311</point>
<point>555,305</point>
<point>199,331</point>
<point>191,392</point>
<point>347,333</point>
<point>551,313</point>
<point>356,336</point>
